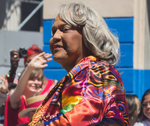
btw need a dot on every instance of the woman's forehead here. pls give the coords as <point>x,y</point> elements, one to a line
<point>147,98</point>
<point>58,22</point>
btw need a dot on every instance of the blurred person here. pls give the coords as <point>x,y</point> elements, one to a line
<point>134,108</point>
<point>32,52</point>
<point>3,89</point>
<point>144,116</point>
<point>12,86</point>
<point>3,96</point>
<point>14,60</point>
<point>29,83</point>
<point>92,93</point>
<point>32,104</point>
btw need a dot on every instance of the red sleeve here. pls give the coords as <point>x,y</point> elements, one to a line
<point>12,115</point>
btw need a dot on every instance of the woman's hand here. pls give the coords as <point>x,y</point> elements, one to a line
<point>5,86</point>
<point>40,60</point>
<point>14,59</point>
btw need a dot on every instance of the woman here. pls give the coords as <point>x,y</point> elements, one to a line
<point>32,52</point>
<point>3,96</point>
<point>144,116</point>
<point>3,90</point>
<point>92,92</point>
<point>134,108</point>
<point>29,83</point>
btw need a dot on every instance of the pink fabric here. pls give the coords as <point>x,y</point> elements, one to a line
<point>47,87</point>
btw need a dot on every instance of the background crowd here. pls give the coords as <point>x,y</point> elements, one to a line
<point>38,86</point>
<point>15,91</point>
<point>91,93</point>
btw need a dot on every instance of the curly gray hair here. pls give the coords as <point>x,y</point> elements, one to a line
<point>96,35</point>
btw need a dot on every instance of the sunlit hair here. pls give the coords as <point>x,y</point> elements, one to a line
<point>96,35</point>
<point>133,105</point>
<point>141,116</point>
<point>35,74</point>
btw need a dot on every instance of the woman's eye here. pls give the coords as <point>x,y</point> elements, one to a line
<point>66,29</point>
<point>53,32</point>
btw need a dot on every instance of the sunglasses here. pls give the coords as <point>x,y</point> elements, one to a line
<point>145,104</point>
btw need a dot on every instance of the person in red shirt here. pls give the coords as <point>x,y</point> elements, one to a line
<point>48,84</point>
<point>28,85</point>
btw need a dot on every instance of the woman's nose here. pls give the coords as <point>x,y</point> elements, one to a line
<point>57,35</point>
<point>148,105</point>
<point>36,81</point>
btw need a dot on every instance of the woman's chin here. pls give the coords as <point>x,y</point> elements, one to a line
<point>58,59</point>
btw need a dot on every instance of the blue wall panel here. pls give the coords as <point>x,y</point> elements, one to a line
<point>126,56</point>
<point>47,34</point>
<point>122,27</point>
<point>127,78</point>
<point>57,74</point>
<point>141,82</point>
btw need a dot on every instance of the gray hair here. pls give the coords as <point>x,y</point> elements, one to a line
<point>96,35</point>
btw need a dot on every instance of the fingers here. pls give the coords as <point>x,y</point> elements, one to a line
<point>14,54</point>
<point>6,82</point>
<point>40,60</point>
<point>45,57</point>
<point>4,85</point>
<point>2,78</point>
<point>41,54</point>
<point>14,59</point>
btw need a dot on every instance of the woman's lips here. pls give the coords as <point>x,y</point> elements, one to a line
<point>148,111</point>
<point>57,47</point>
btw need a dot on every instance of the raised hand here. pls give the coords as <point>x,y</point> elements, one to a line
<point>14,59</point>
<point>40,60</point>
<point>5,86</point>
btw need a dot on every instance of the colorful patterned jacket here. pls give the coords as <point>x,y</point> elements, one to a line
<point>92,93</point>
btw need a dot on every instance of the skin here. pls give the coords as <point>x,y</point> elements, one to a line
<point>27,62</point>
<point>21,89</point>
<point>29,59</point>
<point>133,120</point>
<point>5,86</point>
<point>14,60</point>
<point>67,44</point>
<point>146,109</point>
<point>33,86</point>
<point>3,90</point>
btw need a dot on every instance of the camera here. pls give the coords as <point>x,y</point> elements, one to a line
<point>22,52</point>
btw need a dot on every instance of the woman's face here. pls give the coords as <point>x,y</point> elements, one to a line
<point>34,85</point>
<point>146,106</point>
<point>66,44</point>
